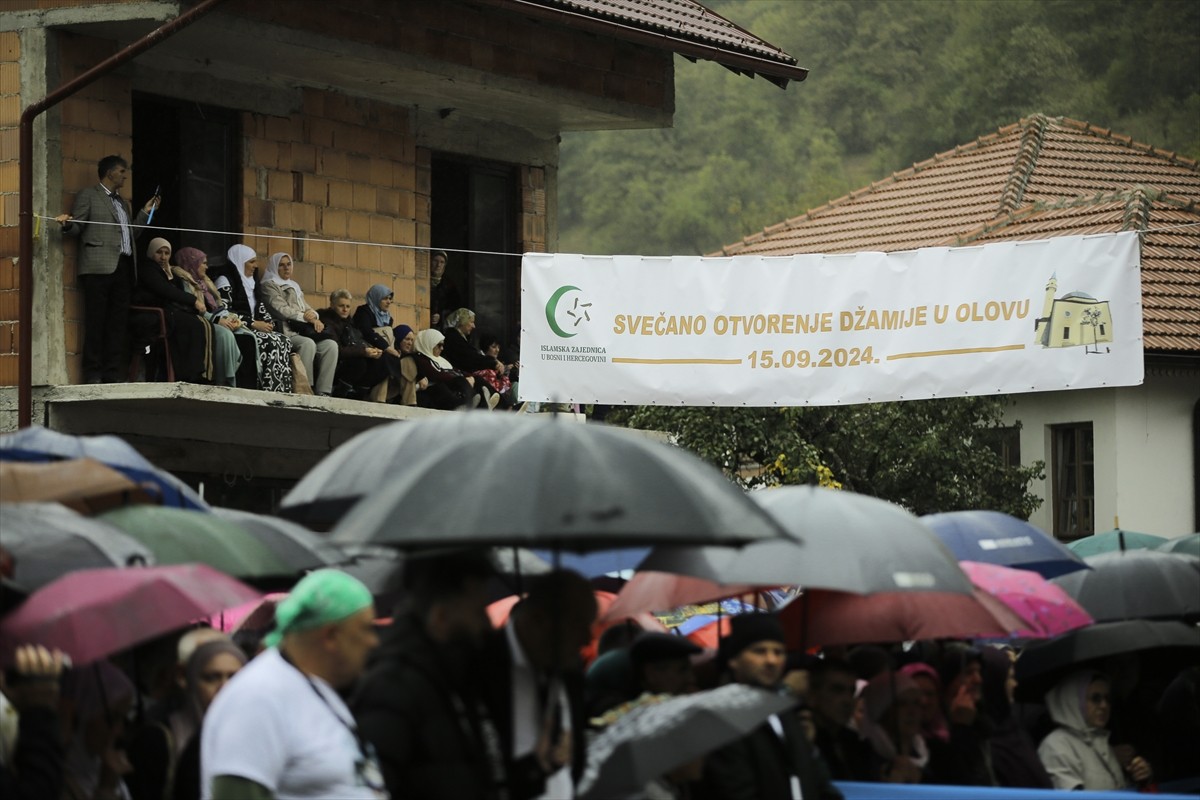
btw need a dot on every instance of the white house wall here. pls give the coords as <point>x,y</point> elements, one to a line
<point>1144,461</point>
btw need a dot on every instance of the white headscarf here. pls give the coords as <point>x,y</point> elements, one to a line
<point>239,254</point>
<point>272,274</point>
<point>426,341</point>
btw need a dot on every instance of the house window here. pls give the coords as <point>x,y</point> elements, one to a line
<point>1066,333</point>
<point>1074,480</point>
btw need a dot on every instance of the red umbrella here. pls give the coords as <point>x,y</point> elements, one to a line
<point>93,613</point>
<point>1047,608</point>
<point>821,617</point>
<point>660,591</point>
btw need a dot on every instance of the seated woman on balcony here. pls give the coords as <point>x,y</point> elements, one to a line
<point>448,388</point>
<point>466,358</point>
<point>374,320</point>
<point>227,356</point>
<point>188,332</point>
<point>409,381</point>
<point>239,294</point>
<point>361,371</point>
<point>300,323</point>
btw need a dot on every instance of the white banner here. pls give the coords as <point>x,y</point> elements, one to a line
<point>829,330</point>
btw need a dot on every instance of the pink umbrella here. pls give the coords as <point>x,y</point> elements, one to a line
<point>258,614</point>
<point>93,613</point>
<point>1046,607</point>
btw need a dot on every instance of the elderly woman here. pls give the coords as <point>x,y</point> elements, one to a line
<point>239,294</point>
<point>166,759</point>
<point>227,356</point>
<point>189,333</point>
<point>1077,753</point>
<point>448,388</point>
<point>300,323</point>
<point>465,357</point>
<point>360,366</point>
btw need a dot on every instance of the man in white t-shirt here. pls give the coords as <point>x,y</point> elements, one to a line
<point>279,730</point>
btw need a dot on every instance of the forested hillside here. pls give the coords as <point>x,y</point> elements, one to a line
<point>892,82</point>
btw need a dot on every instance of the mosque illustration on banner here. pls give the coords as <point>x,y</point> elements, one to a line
<point>1073,320</point>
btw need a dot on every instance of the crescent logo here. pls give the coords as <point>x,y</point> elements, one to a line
<point>578,312</point>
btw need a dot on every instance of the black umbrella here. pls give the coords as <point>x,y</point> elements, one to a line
<point>295,545</point>
<point>488,479</point>
<point>1042,664</point>
<point>48,540</point>
<point>1137,584</point>
<point>656,737</point>
<point>835,540</point>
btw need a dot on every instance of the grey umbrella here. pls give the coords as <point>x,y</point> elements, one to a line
<point>48,540</point>
<point>295,545</point>
<point>1137,584</point>
<point>836,540</point>
<point>656,737</point>
<point>1042,664</point>
<point>490,479</point>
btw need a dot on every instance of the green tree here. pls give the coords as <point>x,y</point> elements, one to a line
<point>926,455</point>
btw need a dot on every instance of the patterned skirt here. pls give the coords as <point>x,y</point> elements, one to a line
<point>274,360</point>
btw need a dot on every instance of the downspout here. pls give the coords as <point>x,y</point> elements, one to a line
<point>25,259</point>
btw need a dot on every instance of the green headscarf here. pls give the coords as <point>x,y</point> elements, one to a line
<point>322,597</point>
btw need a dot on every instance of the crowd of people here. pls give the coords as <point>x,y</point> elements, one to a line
<point>436,702</point>
<point>253,327</point>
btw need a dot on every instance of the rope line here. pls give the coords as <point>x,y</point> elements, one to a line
<point>419,247</point>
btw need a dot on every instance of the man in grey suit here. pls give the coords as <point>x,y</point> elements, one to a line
<point>107,267</point>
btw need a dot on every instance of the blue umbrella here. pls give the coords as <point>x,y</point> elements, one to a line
<point>41,444</point>
<point>997,538</point>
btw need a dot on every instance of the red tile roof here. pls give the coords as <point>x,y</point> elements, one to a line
<point>681,26</point>
<point>1040,178</point>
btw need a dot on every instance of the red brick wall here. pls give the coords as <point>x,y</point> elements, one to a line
<point>341,169</point>
<point>10,118</point>
<point>490,40</point>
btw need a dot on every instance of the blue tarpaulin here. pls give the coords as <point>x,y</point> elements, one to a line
<point>893,791</point>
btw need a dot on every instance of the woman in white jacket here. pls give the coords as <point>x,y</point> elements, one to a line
<point>301,324</point>
<point>1077,754</point>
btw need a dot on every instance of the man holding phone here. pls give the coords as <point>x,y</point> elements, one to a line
<point>107,267</point>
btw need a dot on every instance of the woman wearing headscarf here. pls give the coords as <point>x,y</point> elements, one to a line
<point>189,333</point>
<point>892,726</point>
<point>933,722</point>
<point>442,295</point>
<point>166,755</point>
<point>1077,754</point>
<point>361,371</point>
<point>1015,760</point>
<point>95,700</point>
<point>239,293</point>
<point>448,388</point>
<point>300,323</point>
<point>227,357</point>
<point>408,379</point>
<point>374,320</point>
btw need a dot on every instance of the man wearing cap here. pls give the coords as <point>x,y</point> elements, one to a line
<point>279,729</point>
<point>662,663</point>
<point>774,761</point>
<point>417,703</point>
<point>831,694</point>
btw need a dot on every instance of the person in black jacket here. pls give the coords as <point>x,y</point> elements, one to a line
<point>416,703</point>
<point>189,333</point>
<point>35,770</point>
<point>467,358</point>
<point>774,761</point>
<point>534,685</point>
